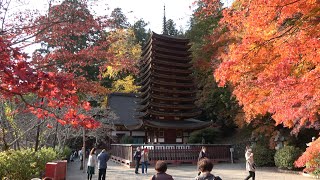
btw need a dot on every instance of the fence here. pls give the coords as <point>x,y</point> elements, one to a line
<point>171,153</point>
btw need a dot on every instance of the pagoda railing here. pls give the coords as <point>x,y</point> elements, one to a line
<point>171,153</point>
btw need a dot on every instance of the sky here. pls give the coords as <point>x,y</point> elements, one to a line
<point>150,11</point>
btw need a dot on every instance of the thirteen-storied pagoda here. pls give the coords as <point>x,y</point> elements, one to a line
<point>167,93</point>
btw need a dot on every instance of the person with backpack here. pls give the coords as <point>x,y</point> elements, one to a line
<point>202,155</point>
<point>137,158</point>
<point>205,167</point>
<point>103,158</point>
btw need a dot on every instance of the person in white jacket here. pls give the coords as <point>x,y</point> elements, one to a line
<point>92,162</point>
<point>250,166</point>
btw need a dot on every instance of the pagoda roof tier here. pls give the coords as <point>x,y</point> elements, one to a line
<point>169,39</point>
<point>172,57</point>
<point>164,38</point>
<point>172,84</point>
<point>167,106</point>
<point>154,56</point>
<point>163,50</point>
<point>164,76</point>
<point>167,83</point>
<point>174,64</point>
<point>178,72</point>
<point>181,71</point>
<point>160,60</point>
<point>171,114</point>
<point>182,78</point>
<point>168,98</point>
<point>181,47</point>
<point>165,98</point>
<point>190,124</point>
<point>169,45</point>
<point>144,90</point>
<point>145,69</point>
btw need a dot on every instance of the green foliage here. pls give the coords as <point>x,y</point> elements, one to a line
<point>217,104</point>
<point>140,33</point>
<point>25,164</point>
<point>126,140</point>
<point>64,152</point>
<point>208,135</point>
<point>118,19</point>
<point>285,157</point>
<point>263,156</point>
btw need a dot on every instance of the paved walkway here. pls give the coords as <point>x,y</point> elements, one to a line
<point>183,172</point>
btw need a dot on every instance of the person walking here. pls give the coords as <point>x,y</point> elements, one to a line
<point>92,162</point>
<point>103,158</point>
<point>137,158</point>
<point>250,166</point>
<point>81,158</point>
<point>161,168</point>
<point>145,160</point>
<point>202,155</point>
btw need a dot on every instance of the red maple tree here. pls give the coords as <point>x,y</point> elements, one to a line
<point>74,40</point>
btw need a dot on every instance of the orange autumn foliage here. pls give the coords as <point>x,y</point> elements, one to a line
<point>273,62</point>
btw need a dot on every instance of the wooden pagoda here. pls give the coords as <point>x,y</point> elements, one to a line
<point>167,93</point>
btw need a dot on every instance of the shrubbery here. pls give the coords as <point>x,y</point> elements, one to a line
<point>285,157</point>
<point>209,136</point>
<point>25,164</point>
<point>64,152</point>
<point>263,156</point>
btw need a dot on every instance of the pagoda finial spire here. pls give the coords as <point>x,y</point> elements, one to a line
<point>164,28</point>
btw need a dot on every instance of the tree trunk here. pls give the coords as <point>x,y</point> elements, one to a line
<point>55,135</point>
<point>37,137</point>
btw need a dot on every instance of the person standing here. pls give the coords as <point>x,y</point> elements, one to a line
<point>137,158</point>
<point>103,158</point>
<point>202,155</point>
<point>145,160</point>
<point>92,162</point>
<point>250,166</point>
<point>81,158</point>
